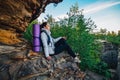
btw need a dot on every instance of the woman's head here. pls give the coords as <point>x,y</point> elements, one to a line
<point>45,25</point>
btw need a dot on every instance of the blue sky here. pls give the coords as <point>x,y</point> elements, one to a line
<point>105,13</point>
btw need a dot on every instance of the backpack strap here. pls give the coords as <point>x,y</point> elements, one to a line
<point>47,36</point>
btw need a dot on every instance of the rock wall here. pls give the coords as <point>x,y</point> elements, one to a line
<point>118,67</point>
<point>15,15</point>
<point>20,63</point>
<point>110,54</point>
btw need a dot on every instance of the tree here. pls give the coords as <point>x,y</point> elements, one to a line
<point>74,9</point>
<point>113,33</point>
<point>103,31</point>
<point>108,33</point>
<point>119,33</point>
<point>49,19</point>
<point>80,39</point>
<point>28,33</point>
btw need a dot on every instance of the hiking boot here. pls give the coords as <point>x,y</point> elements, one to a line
<point>77,60</point>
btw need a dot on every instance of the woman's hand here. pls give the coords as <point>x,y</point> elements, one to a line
<point>64,37</point>
<point>49,58</point>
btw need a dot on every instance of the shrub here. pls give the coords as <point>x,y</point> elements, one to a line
<point>28,33</point>
<point>82,42</point>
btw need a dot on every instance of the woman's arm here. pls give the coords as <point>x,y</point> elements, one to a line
<point>56,39</point>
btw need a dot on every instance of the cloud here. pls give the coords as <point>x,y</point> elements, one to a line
<point>98,7</point>
<point>57,18</point>
<point>93,8</point>
<point>109,22</point>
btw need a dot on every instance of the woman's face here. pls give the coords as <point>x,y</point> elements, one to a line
<point>47,26</point>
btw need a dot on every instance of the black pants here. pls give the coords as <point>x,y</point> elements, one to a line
<point>61,45</point>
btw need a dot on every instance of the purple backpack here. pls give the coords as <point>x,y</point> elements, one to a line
<point>37,43</point>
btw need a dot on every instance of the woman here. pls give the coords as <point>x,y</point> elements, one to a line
<point>55,46</point>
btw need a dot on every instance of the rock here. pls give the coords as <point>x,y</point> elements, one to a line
<point>13,67</point>
<point>118,71</point>
<point>118,67</point>
<point>8,37</point>
<point>15,15</point>
<point>114,74</point>
<point>18,55</point>
<point>6,49</point>
<point>21,63</point>
<point>4,73</point>
<point>93,76</point>
<point>13,52</point>
<point>110,54</point>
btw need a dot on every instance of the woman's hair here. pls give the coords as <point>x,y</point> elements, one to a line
<point>43,24</point>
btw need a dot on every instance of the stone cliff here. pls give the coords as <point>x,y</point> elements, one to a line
<point>17,61</point>
<point>20,63</point>
<point>15,15</point>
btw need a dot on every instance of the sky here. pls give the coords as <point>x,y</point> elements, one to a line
<point>105,13</point>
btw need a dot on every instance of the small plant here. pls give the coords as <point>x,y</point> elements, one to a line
<point>102,68</point>
<point>28,33</point>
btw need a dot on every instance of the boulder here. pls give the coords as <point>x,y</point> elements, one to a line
<point>110,54</point>
<point>21,63</point>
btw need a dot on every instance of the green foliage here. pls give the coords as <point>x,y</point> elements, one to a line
<point>49,19</point>
<point>110,37</point>
<point>28,33</point>
<point>102,68</point>
<point>77,30</point>
<point>113,39</point>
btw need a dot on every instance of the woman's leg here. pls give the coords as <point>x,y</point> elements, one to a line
<point>61,45</point>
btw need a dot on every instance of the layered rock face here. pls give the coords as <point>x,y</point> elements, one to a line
<point>20,63</point>
<point>110,54</point>
<point>15,15</point>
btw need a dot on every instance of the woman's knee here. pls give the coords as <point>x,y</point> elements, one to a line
<point>62,39</point>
